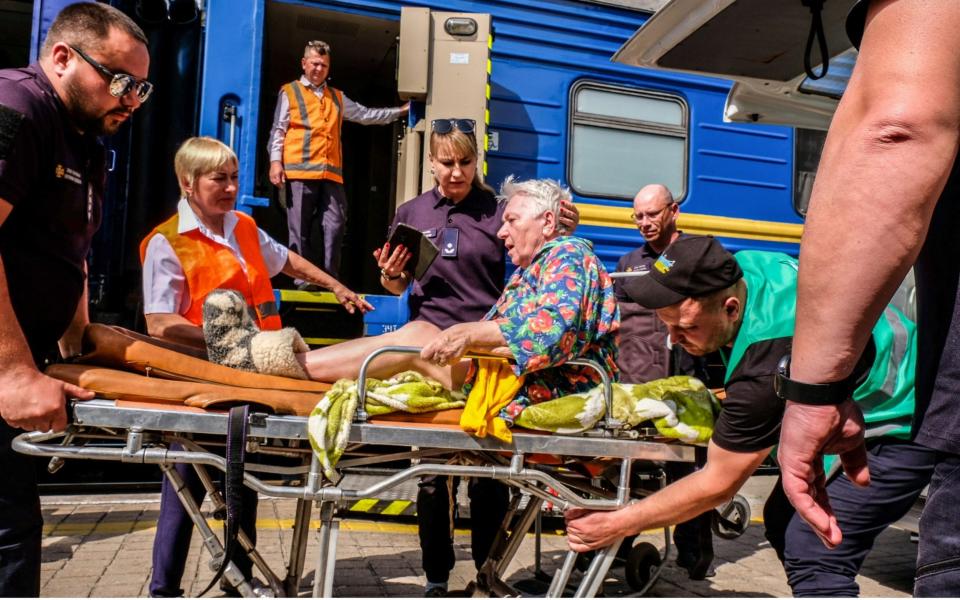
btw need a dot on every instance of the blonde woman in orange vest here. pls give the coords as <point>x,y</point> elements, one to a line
<point>205,246</point>
<point>305,153</point>
<point>209,245</point>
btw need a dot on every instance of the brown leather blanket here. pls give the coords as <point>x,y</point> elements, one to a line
<point>120,364</point>
<point>122,349</point>
<point>123,385</point>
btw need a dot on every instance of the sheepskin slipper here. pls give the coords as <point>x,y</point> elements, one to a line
<point>234,340</point>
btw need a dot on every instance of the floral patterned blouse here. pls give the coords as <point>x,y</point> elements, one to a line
<point>560,307</point>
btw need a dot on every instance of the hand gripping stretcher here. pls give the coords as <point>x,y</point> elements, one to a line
<point>166,401</point>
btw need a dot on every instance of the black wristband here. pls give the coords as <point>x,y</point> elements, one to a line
<point>817,394</point>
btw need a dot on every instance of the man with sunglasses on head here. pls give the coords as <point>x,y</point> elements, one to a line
<point>89,79</point>
<point>306,154</point>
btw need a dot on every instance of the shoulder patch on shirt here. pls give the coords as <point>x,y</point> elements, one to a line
<point>10,121</point>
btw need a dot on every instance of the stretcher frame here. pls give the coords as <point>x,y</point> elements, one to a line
<point>148,433</point>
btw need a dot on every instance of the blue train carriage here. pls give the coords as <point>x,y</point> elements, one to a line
<point>537,76</point>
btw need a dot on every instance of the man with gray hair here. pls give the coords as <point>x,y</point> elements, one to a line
<point>307,156</point>
<point>558,305</point>
<point>88,81</point>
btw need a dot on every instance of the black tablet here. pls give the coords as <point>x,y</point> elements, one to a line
<point>423,250</point>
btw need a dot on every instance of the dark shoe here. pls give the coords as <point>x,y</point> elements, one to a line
<point>437,592</point>
<point>698,567</point>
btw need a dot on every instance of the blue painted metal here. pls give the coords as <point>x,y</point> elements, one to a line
<point>542,49</point>
<point>388,314</point>
<point>232,53</point>
<point>44,12</point>
<point>837,78</point>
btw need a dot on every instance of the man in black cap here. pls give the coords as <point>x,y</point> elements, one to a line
<point>744,307</point>
<point>645,354</point>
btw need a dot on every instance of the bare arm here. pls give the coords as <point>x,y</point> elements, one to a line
<point>724,474</point>
<point>887,158</point>
<point>28,399</point>
<point>300,268</point>
<point>456,340</point>
<point>175,328</point>
<point>281,122</point>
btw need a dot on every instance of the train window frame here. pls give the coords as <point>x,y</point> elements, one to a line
<point>575,118</point>
<point>803,160</point>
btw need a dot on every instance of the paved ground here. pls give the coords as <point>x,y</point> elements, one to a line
<point>100,547</point>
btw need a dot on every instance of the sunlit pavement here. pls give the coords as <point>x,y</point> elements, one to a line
<point>100,546</point>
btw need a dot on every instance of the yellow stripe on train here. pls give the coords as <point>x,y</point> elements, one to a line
<point>770,231</point>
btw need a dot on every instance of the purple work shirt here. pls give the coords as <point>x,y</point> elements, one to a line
<point>462,287</point>
<point>54,177</point>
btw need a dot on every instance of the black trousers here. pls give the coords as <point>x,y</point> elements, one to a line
<point>317,207</point>
<point>899,470</point>
<point>21,523</point>
<point>489,501</point>
<point>174,529</point>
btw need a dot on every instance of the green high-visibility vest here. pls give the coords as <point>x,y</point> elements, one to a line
<point>886,397</point>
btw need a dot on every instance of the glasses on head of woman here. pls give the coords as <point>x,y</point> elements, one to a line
<point>444,126</point>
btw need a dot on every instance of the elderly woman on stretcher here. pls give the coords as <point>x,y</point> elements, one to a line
<point>558,305</point>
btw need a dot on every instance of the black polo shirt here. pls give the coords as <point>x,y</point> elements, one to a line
<point>644,355</point>
<point>54,177</point>
<point>464,282</point>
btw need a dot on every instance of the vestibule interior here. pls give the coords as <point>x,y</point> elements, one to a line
<point>363,66</point>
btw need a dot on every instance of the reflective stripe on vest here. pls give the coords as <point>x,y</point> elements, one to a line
<point>208,265</point>
<point>311,147</point>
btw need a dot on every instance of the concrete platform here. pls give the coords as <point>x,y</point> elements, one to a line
<point>101,547</point>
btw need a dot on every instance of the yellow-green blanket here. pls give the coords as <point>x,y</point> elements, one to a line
<point>329,423</point>
<point>679,407</point>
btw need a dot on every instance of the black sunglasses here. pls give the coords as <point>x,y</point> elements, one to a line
<point>444,126</point>
<point>121,84</point>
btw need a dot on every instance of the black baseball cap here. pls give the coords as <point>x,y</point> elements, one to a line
<point>690,267</point>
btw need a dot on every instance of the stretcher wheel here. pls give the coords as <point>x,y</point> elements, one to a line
<point>731,520</point>
<point>643,562</point>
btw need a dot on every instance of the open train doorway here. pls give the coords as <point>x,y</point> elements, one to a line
<point>363,66</point>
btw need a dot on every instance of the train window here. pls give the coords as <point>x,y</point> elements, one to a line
<point>808,145</point>
<point>623,138</point>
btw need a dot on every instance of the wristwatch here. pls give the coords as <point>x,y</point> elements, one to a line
<point>383,273</point>
<point>818,394</point>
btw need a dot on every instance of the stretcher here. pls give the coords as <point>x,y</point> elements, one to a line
<point>147,429</point>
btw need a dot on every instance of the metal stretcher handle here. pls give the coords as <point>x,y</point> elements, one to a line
<point>35,443</point>
<point>609,422</point>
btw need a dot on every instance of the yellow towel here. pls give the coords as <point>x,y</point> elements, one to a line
<point>494,387</point>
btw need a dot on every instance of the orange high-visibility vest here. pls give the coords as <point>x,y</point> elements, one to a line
<point>311,148</point>
<point>208,265</point>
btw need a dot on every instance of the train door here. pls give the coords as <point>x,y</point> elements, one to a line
<point>438,60</point>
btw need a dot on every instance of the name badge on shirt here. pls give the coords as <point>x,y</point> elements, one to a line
<point>449,242</point>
